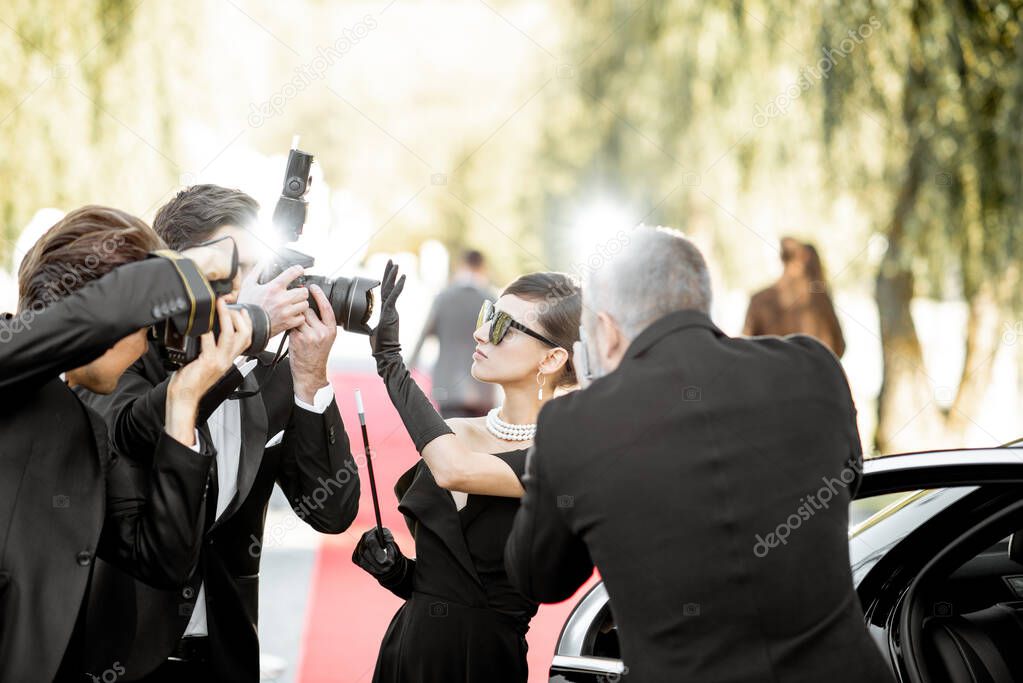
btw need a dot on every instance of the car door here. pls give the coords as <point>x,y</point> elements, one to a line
<point>920,485</point>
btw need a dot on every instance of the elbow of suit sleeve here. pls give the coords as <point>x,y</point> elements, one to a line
<point>343,505</point>
<point>349,508</point>
<point>548,592</point>
<point>554,589</point>
<point>338,503</point>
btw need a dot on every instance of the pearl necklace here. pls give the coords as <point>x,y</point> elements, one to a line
<point>507,430</point>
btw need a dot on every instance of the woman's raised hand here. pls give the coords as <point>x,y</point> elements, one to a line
<point>384,340</point>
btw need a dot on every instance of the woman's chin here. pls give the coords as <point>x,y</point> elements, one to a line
<point>479,373</point>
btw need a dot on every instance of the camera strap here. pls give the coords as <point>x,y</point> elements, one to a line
<point>278,357</point>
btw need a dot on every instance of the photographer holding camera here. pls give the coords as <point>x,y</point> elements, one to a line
<point>87,293</point>
<point>282,427</point>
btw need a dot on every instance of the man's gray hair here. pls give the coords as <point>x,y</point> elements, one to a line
<point>659,271</point>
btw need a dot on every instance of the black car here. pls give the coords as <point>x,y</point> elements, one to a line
<point>938,567</point>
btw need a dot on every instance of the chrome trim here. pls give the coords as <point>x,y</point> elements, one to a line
<point>574,633</point>
<point>909,461</point>
<point>589,665</point>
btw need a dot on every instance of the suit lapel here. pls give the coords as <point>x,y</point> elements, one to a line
<point>252,440</point>
<point>433,507</point>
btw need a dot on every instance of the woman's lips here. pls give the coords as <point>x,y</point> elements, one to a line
<point>478,355</point>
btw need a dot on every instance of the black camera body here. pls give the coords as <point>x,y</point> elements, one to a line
<point>178,349</point>
<point>350,298</point>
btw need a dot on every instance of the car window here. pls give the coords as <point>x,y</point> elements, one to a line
<point>877,523</point>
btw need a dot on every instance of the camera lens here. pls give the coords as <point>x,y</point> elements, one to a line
<point>350,299</point>
<point>260,327</point>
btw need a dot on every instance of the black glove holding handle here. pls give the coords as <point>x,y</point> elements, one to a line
<point>422,422</point>
<point>387,565</point>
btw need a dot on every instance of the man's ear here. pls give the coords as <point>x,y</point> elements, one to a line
<point>611,342</point>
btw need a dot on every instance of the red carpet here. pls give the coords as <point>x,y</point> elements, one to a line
<point>348,612</point>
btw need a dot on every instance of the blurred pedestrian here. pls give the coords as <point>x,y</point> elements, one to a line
<point>799,302</point>
<point>452,320</point>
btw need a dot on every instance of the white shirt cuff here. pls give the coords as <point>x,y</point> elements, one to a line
<point>321,400</point>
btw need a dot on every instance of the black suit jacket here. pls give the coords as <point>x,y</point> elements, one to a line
<point>64,497</point>
<point>668,471</point>
<point>312,464</point>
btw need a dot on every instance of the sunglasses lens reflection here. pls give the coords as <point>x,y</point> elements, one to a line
<point>499,328</point>
<point>486,313</point>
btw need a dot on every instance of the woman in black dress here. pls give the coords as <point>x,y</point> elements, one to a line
<point>462,619</point>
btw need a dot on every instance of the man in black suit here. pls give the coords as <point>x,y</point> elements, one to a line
<point>285,430</point>
<point>65,498</point>
<point>667,471</point>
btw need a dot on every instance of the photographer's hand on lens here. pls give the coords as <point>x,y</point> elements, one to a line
<point>309,345</point>
<point>386,564</point>
<point>286,307</point>
<point>421,419</point>
<point>188,384</point>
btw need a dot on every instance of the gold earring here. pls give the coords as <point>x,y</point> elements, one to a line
<point>541,379</point>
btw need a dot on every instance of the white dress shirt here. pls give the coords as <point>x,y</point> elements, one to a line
<point>225,426</point>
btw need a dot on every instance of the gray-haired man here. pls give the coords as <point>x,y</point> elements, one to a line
<point>664,472</point>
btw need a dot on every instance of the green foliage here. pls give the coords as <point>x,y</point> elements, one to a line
<point>946,78</point>
<point>83,113</point>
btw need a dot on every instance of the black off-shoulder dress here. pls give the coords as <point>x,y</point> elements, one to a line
<point>462,619</point>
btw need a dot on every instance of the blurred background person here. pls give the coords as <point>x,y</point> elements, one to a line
<point>799,302</point>
<point>451,320</point>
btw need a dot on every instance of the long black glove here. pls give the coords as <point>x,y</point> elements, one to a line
<point>421,419</point>
<point>387,564</point>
